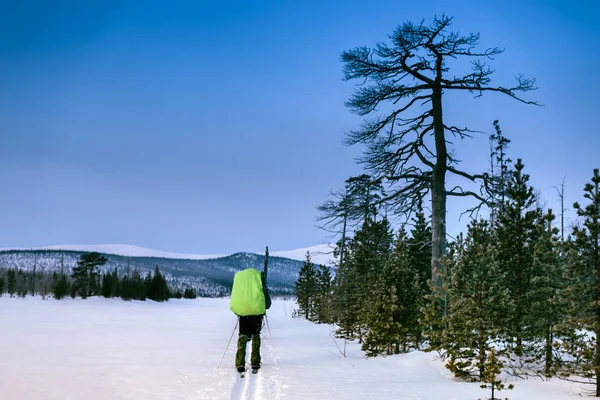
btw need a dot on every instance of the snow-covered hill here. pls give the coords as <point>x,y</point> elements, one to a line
<point>209,275</point>
<point>320,254</point>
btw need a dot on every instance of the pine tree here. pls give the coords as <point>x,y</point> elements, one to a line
<point>22,283</point>
<point>86,273</point>
<point>106,285</point>
<point>189,293</point>
<point>126,289</point>
<point>374,246</point>
<point>392,324</point>
<point>547,307</point>
<point>583,292</point>
<point>491,369</point>
<point>60,286</point>
<point>323,303</point>
<point>419,248</point>
<point>305,288</point>
<point>138,287</point>
<point>437,309</point>
<point>480,304</point>
<point>516,231</point>
<point>11,282</point>
<point>159,290</point>
<point>2,285</point>
<point>499,171</point>
<point>344,296</point>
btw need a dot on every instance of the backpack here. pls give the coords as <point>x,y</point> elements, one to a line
<point>247,295</point>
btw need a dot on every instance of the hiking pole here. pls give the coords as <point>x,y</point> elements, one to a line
<point>271,341</point>
<point>228,343</point>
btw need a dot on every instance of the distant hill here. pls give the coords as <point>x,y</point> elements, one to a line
<point>210,277</point>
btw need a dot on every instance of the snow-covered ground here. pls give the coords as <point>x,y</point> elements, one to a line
<point>110,349</point>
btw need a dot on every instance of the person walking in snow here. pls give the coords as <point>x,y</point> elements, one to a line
<point>249,301</point>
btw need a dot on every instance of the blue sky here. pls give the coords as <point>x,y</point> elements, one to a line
<point>217,126</point>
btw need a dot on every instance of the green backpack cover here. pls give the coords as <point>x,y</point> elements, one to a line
<point>247,296</point>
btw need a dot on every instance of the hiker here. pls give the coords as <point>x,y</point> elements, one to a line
<point>249,301</point>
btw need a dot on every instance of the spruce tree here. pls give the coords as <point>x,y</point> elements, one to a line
<point>126,292</point>
<point>86,273</point>
<point>2,285</point>
<point>480,304</point>
<point>11,282</point>
<point>60,286</point>
<point>106,285</point>
<point>344,295</point>
<point>583,292</point>
<point>392,324</point>
<point>491,369</point>
<point>419,248</point>
<point>437,308</point>
<point>373,248</point>
<point>159,290</point>
<point>22,283</point>
<point>305,288</point>
<point>516,234</point>
<point>138,287</point>
<point>545,298</point>
<point>499,171</point>
<point>323,302</point>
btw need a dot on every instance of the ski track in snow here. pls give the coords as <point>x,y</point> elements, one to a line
<point>263,385</point>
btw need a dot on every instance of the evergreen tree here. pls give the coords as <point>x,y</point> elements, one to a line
<point>189,293</point>
<point>374,246</point>
<point>138,287</point>
<point>368,251</point>
<point>480,304</point>
<point>11,282</point>
<point>516,232</point>
<point>106,285</point>
<point>2,285</point>
<point>159,290</point>
<point>492,367</point>
<point>22,283</point>
<point>547,307</point>
<point>583,292</point>
<point>60,286</point>
<point>305,288</point>
<point>499,171</point>
<point>115,284</point>
<point>324,288</point>
<point>126,289</point>
<point>392,324</point>
<point>419,248</point>
<point>436,310</point>
<point>344,303</point>
<point>86,273</point>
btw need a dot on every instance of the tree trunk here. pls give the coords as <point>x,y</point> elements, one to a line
<point>596,262</point>
<point>549,340</point>
<point>438,190</point>
<point>90,283</point>
<point>343,246</point>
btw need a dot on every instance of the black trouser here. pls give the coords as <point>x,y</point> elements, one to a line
<point>250,327</point>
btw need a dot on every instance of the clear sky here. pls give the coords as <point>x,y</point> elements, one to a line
<point>216,126</point>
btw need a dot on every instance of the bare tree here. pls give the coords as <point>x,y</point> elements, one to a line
<point>407,147</point>
<point>347,208</point>
<point>561,196</point>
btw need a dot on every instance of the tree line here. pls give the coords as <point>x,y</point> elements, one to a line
<point>85,280</point>
<point>509,294</point>
<point>515,294</point>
